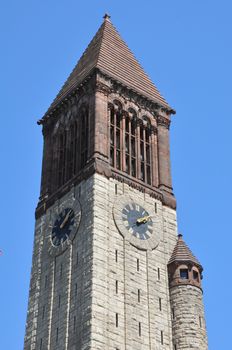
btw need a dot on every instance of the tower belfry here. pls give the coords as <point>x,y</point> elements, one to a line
<point>108,271</point>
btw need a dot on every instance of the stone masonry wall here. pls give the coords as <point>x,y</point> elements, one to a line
<point>189,330</point>
<point>59,312</point>
<point>144,323</point>
<point>75,296</point>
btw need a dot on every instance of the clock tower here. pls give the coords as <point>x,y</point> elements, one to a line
<point>108,270</point>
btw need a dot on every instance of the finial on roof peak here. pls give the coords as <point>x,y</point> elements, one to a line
<point>180,236</point>
<point>106,17</point>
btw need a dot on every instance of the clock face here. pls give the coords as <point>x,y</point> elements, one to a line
<point>137,221</point>
<point>63,226</point>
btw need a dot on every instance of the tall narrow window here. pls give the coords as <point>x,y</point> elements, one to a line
<point>139,295</point>
<point>162,337</point>
<point>70,153</point>
<point>142,154</point>
<point>115,137</point>
<point>118,140</point>
<point>61,160</point>
<point>158,273</point>
<point>84,141</point>
<point>140,329</point>
<point>133,148</point>
<point>173,313</point>
<point>145,154</point>
<point>76,146</point>
<point>112,136</point>
<point>116,287</point>
<point>116,320</point>
<point>130,144</point>
<point>137,264</point>
<point>200,321</point>
<point>127,145</point>
<point>160,304</point>
<point>41,344</point>
<point>116,255</point>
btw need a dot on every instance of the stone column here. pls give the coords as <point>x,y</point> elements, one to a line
<point>165,181</point>
<point>101,149</point>
<point>46,163</point>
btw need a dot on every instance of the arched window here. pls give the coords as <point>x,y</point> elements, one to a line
<point>130,143</point>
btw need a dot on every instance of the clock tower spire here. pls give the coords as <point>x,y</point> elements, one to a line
<point>106,220</point>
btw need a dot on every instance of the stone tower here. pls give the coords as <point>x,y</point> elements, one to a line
<point>108,272</point>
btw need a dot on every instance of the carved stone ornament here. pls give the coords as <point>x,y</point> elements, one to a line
<point>100,87</point>
<point>163,121</point>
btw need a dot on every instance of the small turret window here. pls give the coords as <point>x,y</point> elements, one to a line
<point>195,275</point>
<point>184,274</point>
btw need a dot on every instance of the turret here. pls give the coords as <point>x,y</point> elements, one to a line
<point>188,321</point>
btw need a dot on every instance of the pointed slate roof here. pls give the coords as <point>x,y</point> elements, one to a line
<point>182,252</point>
<point>109,53</point>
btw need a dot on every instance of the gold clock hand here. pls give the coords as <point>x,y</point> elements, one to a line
<point>143,220</point>
<point>65,219</point>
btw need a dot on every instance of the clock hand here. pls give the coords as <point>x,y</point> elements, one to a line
<point>143,220</point>
<point>65,219</point>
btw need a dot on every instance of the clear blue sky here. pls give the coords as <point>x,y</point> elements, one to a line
<point>185,47</point>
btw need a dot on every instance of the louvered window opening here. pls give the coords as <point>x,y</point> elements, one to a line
<point>130,145</point>
<point>70,149</point>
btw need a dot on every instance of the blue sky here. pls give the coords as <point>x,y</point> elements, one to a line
<point>185,47</point>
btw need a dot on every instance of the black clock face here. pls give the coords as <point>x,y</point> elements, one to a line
<point>137,220</point>
<point>62,226</point>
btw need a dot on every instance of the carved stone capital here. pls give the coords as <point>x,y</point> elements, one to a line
<point>163,121</point>
<point>153,130</point>
<point>104,89</point>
